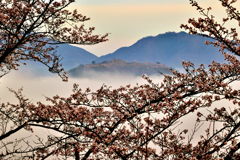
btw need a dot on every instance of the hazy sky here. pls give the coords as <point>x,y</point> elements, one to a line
<point>131,20</point>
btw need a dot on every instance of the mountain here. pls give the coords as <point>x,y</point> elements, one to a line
<point>120,67</point>
<point>73,56</point>
<point>169,48</point>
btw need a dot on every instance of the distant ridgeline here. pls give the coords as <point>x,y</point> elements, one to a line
<point>119,66</point>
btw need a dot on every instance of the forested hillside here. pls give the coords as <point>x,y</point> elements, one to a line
<point>119,66</point>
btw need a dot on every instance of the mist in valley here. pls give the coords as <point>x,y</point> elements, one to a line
<point>37,84</point>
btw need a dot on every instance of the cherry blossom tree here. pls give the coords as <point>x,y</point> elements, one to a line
<point>27,27</point>
<point>144,121</point>
<point>30,30</point>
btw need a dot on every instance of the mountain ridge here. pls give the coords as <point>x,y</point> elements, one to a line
<point>170,48</point>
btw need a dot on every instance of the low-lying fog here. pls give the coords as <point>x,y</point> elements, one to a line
<point>36,84</point>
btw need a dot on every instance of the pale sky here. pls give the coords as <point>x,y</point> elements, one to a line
<point>130,20</point>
